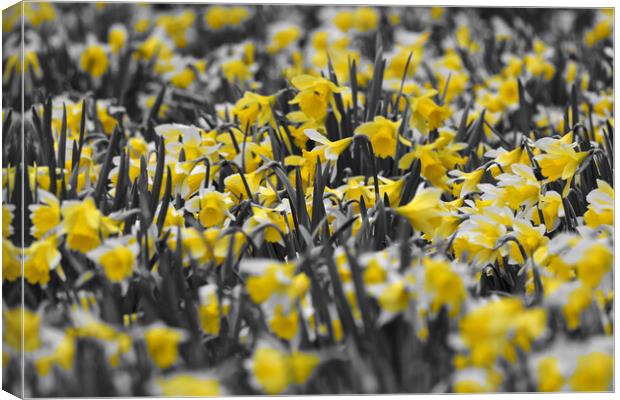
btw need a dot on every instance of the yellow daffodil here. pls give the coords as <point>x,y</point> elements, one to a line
<point>365,19</point>
<point>117,37</point>
<point>445,286</point>
<point>470,180</point>
<point>40,258</point>
<point>235,184</point>
<point>383,135</point>
<point>282,37</point>
<point>253,108</point>
<point>11,261</point>
<point>82,222</point>
<point>209,312</point>
<point>211,206</point>
<point>560,160</point>
<point>315,94</point>
<point>117,257</point>
<point>426,115</point>
<point>218,17</point>
<point>188,385</point>
<point>162,345</point>
<point>273,370</point>
<point>94,60</point>
<point>7,220</point>
<point>21,324</point>
<point>486,331</point>
<point>328,149</point>
<point>594,373</point>
<point>600,206</point>
<point>46,216</point>
<point>424,212</point>
<point>284,326</point>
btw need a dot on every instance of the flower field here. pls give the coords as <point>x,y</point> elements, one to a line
<point>205,200</point>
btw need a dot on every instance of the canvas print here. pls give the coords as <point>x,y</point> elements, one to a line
<point>228,199</point>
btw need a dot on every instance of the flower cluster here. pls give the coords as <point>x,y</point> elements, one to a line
<point>222,200</point>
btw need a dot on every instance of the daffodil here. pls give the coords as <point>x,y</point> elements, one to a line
<point>594,373</point>
<point>426,115</point>
<point>162,345</point>
<point>425,211</point>
<point>190,143</point>
<point>82,222</point>
<point>94,60</point>
<point>117,257</point>
<point>601,31</point>
<point>436,158</point>
<point>328,149</point>
<point>274,370</point>
<point>576,299</point>
<point>276,225</point>
<point>11,261</point>
<point>173,218</point>
<point>476,380</point>
<point>218,245</point>
<point>194,243</point>
<point>536,65</point>
<point>88,325</point>
<point>520,188</point>
<point>343,20</point>
<point>271,369</point>
<point>600,206</point>
<point>487,330</point>
<point>40,13</point>
<point>176,26</point>
<point>236,184</point>
<point>390,188</point>
<point>444,285</point>
<point>530,237</point>
<point>297,132</point>
<point>21,325</point>
<point>508,93</point>
<point>218,17</point>
<point>40,258</point>
<point>281,37</point>
<point>211,206</point>
<point>315,94</point>
<point>550,378</point>
<point>187,384</point>
<point>365,19</point>
<point>506,159</point>
<point>395,297</point>
<point>560,160</point>
<point>478,237</point>
<point>45,216</point>
<point>383,135</point>
<point>551,207</point>
<point>269,279</point>
<point>209,311</point>
<point>470,180</point>
<point>284,325</point>
<point>355,189</point>
<point>594,261</point>
<point>63,356</point>
<point>182,77</point>
<point>253,108</point>
<point>14,65</point>
<point>237,71</point>
<point>152,45</point>
<point>375,272</point>
<point>117,37</point>
<point>7,220</point>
